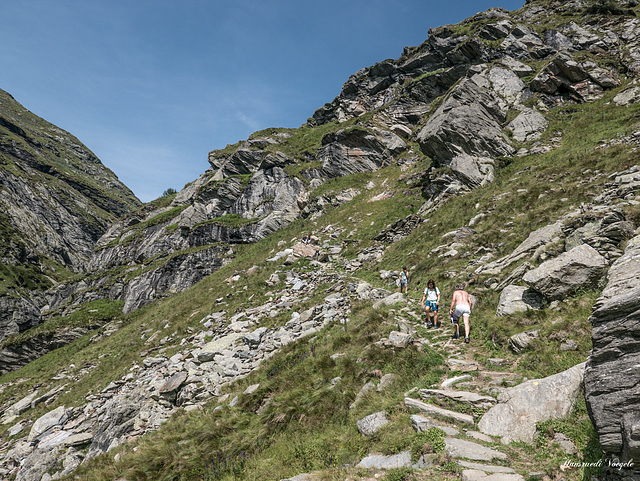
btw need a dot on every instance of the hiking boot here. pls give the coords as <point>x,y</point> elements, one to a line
<point>455,336</point>
<point>466,340</point>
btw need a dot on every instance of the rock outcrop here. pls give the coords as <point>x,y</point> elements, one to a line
<point>612,377</point>
<point>518,410</point>
<point>579,268</point>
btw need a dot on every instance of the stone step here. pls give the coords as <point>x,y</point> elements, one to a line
<point>461,365</point>
<point>486,468</point>
<point>447,383</point>
<point>436,411</point>
<point>478,475</point>
<point>459,448</point>
<point>420,424</point>
<point>458,396</point>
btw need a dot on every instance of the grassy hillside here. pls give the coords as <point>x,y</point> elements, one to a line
<point>306,427</point>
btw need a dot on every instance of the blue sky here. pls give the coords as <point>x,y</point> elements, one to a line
<point>151,86</point>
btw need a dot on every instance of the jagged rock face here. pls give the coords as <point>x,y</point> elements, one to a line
<point>56,192</point>
<point>465,133</point>
<point>56,200</point>
<point>180,273</point>
<point>14,357</point>
<point>612,376</point>
<point>17,315</point>
<point>476,78</point>
<point>250,184</point>
<point>353,151</point>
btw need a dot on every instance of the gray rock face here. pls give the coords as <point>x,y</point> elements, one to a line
<point>611,376</point>
<point>17,315</point>
<point>519,408</point>
<point>528,125</point>
<point>582,81</point>
<point>465,133</point>
<point>604,231</point>
<point>14,357</point>
<point>557,278</point>
<point>352,151</point>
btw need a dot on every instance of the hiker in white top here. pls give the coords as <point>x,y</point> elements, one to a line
<point>430,303</point>
<point>404,280</point>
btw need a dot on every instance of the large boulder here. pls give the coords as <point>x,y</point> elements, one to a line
<point>515,299</point>
<point>612,376</point>
<point>581,267</point>
<point>520,408</point>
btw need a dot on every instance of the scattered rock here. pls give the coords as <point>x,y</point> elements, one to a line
<point>399,339</point>
<point>522,340</point>
<point>372,423</point>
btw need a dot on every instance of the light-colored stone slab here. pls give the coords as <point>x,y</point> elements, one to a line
<point>458,396</point>
<point>485,467</point>
<point>371,424</point>
<point>46,422</point>
<point>379,461</point>
<point>459,448</point>
<point>477,475</point>
<point>447,383</point>
<point>436,411</point>
<point>420,424</point>
<point>520,408</point>
<point>479,436</point>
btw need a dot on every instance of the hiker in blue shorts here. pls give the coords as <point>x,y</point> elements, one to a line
<point>430,302</point>
<point>404,280</point>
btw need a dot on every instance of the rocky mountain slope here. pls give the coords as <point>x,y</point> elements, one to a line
<point>466,99</point>
<point>502,153</point>
<point>56,201</point>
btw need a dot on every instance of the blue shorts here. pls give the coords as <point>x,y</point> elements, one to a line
<point>433,305</point>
